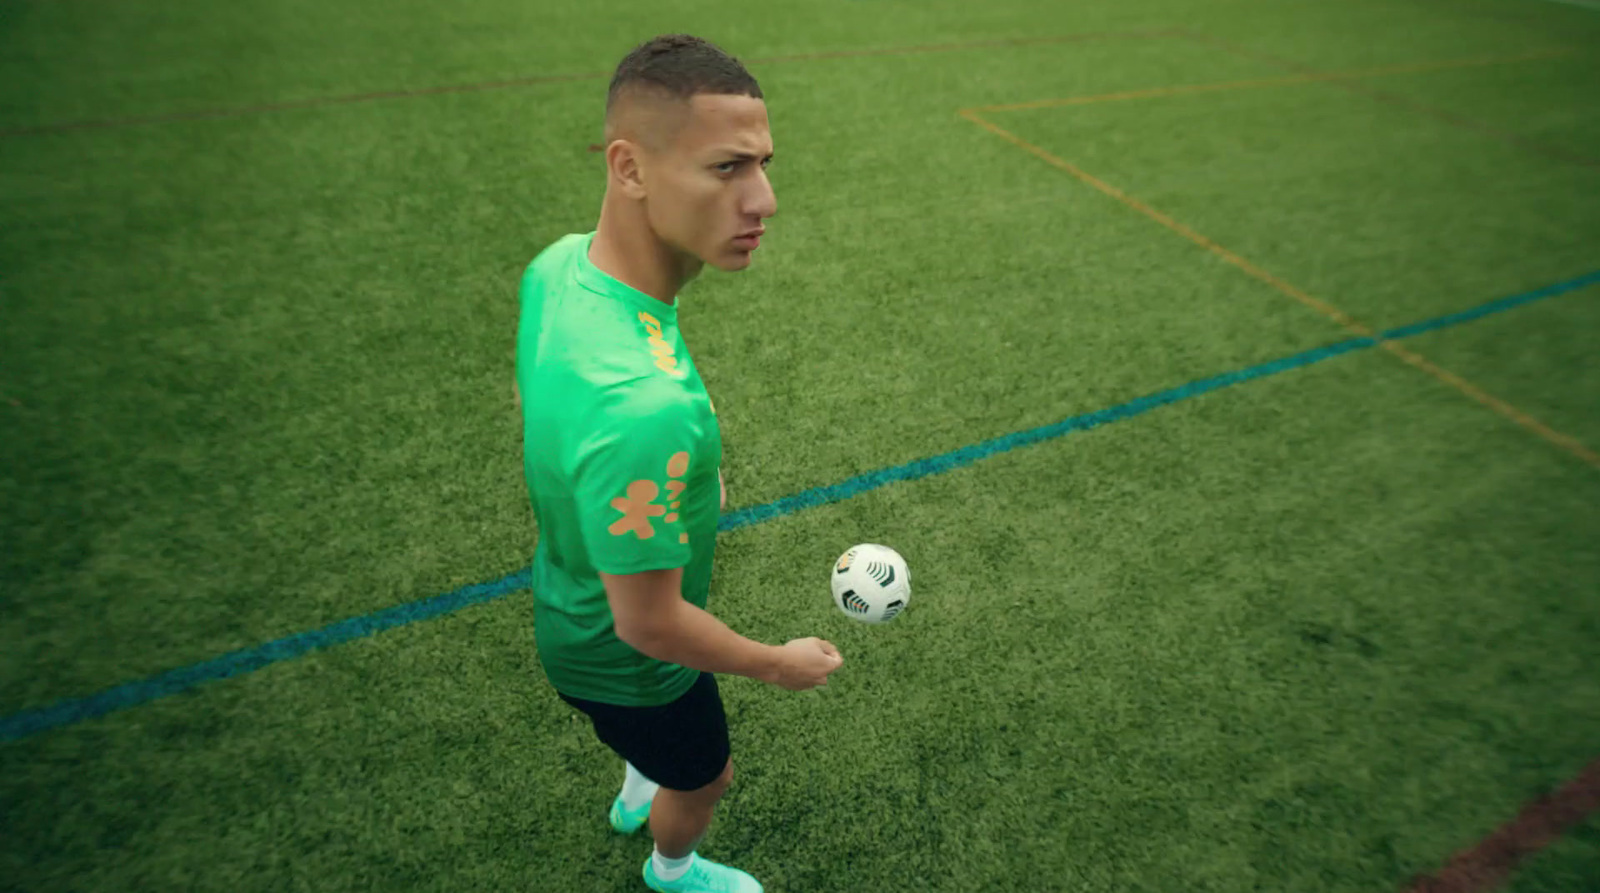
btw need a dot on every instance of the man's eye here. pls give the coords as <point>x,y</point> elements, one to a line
<point>727,167</point>
<point>765,162</point>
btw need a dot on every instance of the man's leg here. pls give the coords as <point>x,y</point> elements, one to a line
<point>678,819</point>
<point>632,805</point>
<point>679,746</point>
<point>636,789</point>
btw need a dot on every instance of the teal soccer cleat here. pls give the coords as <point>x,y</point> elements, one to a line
<point>703,876</point>
<point>625,822</point>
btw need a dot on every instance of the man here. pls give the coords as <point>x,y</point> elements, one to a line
<point>622,450</point>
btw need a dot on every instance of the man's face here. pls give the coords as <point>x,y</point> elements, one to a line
<point>707,189</point>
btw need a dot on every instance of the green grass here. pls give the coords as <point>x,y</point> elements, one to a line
<point>1313,632</point>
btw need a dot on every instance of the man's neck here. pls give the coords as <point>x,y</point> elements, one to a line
<point>634,256</point>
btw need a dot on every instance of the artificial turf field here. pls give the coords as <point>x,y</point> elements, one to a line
<point>1243,558</point>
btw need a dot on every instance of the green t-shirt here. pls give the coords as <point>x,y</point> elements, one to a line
<point>621,449</point>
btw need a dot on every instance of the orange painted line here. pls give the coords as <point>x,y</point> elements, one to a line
<point>1286,80</point>
<point>1397,100</point>
<point>1165,220</point>
<point>1149,93</point>
<point>482,86</point>
<point>1566,442</point>
<point>1348,322</point>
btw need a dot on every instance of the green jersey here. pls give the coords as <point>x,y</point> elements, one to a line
<point>621,449</point>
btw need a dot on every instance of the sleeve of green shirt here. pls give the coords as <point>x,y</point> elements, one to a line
<point>627,479</point>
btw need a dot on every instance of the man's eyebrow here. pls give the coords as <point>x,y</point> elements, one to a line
<point>742,156</point>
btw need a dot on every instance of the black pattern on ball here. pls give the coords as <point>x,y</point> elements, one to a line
<point>881,571</point>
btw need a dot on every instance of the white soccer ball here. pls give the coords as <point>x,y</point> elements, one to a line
<point>871,583</point>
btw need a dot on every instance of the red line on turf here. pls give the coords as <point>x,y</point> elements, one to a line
<point>354,98</point>
<point>1539,824</point>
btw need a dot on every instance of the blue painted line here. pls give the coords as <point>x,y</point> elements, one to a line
<point>235,663</point>
<point>967,455</point>
<point>1500,306</point>
<point>247,660</point>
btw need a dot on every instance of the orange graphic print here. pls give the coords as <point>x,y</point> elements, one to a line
<point>637,508</point>
<point>677,467</point>
<point>659,347</point>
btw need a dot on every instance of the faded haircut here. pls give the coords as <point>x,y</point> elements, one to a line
<point>678,66</point>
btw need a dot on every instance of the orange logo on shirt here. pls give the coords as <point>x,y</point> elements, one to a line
<point>659,346</point>
<point>639,506</point>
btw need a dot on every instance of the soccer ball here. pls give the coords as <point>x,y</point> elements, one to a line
<point>871,583</point>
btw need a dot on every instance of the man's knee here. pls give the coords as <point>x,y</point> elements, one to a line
<point>716,787</point>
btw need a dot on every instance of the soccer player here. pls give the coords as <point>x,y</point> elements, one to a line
<point>622,451</point>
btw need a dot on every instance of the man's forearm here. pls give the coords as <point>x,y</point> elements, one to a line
<point>693,638</point>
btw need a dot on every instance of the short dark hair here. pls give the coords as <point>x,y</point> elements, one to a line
<point>681,66</point>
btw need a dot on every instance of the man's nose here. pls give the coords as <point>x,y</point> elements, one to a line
<point>763,201</point>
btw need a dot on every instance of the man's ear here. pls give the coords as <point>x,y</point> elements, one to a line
<point>623,166</point>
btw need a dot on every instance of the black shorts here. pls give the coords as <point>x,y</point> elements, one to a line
<point>682,746</point>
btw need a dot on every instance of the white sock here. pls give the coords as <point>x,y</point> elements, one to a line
<point>636,789</point>
<point>671,869</point>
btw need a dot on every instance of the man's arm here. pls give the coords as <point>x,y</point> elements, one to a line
<point>651,616</point>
